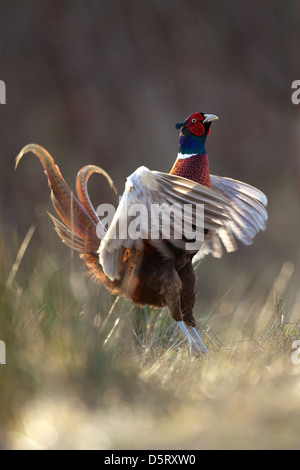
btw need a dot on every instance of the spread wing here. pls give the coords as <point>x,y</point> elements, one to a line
<point>247,216</point>
<point>153,193</point>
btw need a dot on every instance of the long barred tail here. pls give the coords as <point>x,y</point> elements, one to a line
<point>80,228</point>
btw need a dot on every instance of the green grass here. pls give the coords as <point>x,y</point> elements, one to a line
<point>87,370</point>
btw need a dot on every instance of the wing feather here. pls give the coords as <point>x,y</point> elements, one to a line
<point>232,210</point>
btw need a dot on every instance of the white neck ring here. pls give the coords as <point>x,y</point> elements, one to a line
<point>183,156</point>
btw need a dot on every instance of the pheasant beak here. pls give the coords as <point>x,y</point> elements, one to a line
<point>210,118</point>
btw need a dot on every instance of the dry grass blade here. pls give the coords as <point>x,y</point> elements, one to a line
<point>19,257</point>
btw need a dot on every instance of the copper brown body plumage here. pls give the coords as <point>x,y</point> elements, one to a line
<point>158,272</point>
<point>195,168</point>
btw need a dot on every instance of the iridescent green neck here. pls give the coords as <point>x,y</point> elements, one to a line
<point>191,144</point>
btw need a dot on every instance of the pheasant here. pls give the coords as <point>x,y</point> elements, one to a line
<point>157,269</point>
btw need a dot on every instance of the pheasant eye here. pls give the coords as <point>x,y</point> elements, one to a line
<point>194,120</point>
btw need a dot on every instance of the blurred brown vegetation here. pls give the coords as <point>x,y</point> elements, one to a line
<point>104,83</point>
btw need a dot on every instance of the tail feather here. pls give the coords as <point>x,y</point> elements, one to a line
<point>81,189</point>
<point>80,227</point>
<point>68,237</point>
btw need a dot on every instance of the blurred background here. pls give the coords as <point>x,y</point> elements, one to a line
<point>104,83</point>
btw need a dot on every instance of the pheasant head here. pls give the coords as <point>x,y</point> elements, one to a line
<point>194,131</point>
<point>192,160</point>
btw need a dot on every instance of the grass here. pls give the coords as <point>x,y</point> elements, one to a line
<point>88,371</point>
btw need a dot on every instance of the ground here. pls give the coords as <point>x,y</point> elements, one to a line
<point>85,370</point>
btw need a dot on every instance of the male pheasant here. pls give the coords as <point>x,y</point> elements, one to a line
<point>158,270</point>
